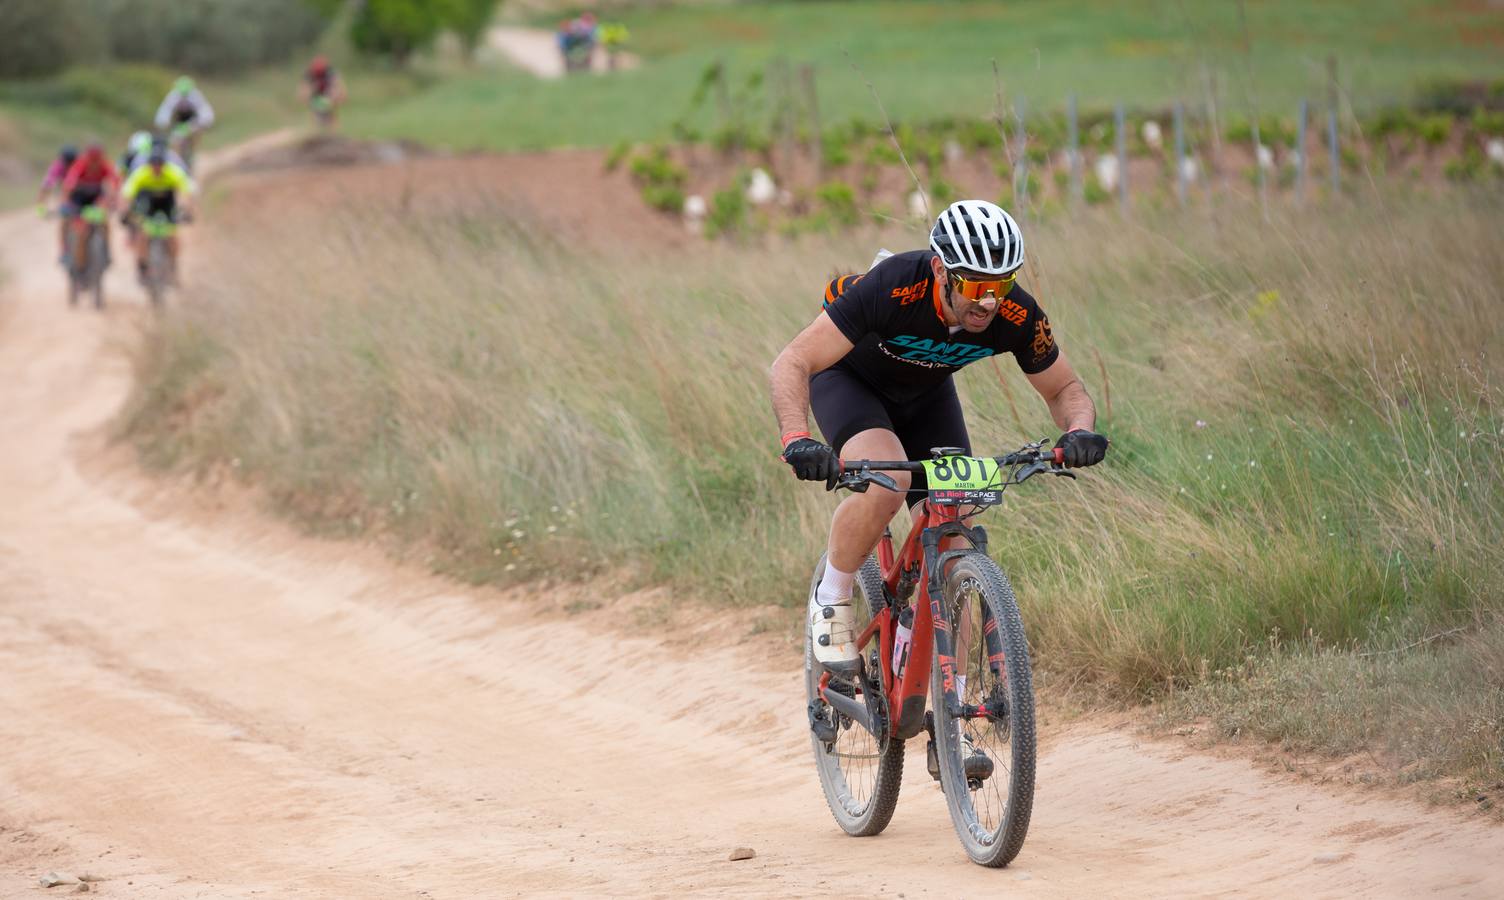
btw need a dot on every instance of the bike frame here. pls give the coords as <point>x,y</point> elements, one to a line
<point>919,563</point>
<point>81,227</point>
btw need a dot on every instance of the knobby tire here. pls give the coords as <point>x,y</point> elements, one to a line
<point>157,265</point>
<point>991,816</point>
<point>859,773</point>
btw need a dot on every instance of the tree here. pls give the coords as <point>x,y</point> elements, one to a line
<point>39,37</point>
<point>398,27</point>
<point>471,19</point>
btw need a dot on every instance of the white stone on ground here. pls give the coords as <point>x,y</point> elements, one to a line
<point>760,188</point>
<point>1153,136</point>
<point>1106,168</point>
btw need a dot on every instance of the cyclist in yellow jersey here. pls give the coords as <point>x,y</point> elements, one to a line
<point>152,190</point>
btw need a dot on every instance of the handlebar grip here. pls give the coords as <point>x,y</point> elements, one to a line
<point>1059,455</point>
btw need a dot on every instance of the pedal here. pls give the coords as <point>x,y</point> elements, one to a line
<point>821,725</point>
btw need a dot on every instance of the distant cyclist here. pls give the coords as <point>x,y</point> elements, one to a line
<point>52,182</point>
<point>322,89</point>
<point>91,181</point>
<point>136,150</point>
<point>152,190</point>
<point>184,113</point>
<point>143,153</point>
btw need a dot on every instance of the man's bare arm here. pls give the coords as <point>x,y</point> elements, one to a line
<point>1066,396</point>
<point>814,349</point>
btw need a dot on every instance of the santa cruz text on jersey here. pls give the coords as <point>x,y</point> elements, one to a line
<point>893,316</point>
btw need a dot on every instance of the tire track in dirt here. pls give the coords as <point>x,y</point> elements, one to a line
<point>208,705</point>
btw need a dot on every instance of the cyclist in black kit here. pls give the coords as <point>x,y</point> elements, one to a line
<point>875,366</point>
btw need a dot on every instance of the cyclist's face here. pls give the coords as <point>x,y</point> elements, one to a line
<point>971,315</point>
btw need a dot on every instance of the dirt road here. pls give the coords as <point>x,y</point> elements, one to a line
<point>537,51</point>
<point>201,704</point>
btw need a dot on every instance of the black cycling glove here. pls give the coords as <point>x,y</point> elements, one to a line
<point>1082,448</point>
<point>813,461</point>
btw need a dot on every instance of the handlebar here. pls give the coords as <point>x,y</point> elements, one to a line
<point>858,474</point>
<point>1055,456</point>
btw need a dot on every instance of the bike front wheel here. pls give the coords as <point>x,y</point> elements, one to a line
<point>158,269</point>
<point>986,761</point>
<point>859,772</point>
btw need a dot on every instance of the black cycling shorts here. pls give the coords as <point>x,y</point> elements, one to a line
<point>83,195</point>
<point>150,204</point>
<point>844,406</point>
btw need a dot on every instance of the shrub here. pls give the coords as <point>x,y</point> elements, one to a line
<point>664,197</point>
<point>618,153</point>
<point>839,200</point>
<point>1468,167</point>
<point>206,35</point>
<point>834,149</point>
<point>40,37</point>
<point>882,153</point>
<point>1435,130</point>
<point>396,28</point>
<point>728,212</point>
<point>941,192</point>
<point>1394,120</point>
<point>660,179</point>
<point>1488,122</point>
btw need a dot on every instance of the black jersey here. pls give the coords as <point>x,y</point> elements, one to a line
<point>903,346</point>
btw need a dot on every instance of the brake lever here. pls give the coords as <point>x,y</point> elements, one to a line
<point>1029,471</point>
<point>883,480</point>
<point>853,482</point>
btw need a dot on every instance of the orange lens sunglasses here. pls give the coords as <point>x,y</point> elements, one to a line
<point>977,289</point>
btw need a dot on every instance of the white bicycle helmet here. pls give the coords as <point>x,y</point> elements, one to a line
<point>978,236</point>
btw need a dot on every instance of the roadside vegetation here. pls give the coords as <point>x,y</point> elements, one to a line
<point>930,61</point>
<point>1306,413</point>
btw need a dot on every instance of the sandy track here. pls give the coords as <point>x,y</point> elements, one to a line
<point>536,50</point>
<point>209,706</point>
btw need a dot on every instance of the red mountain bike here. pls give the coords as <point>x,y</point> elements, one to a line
<point>962,638</point>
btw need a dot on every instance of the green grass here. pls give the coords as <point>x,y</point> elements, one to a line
<point>1306,414</point>
<point>935,59</point>
<point>1417,712</point>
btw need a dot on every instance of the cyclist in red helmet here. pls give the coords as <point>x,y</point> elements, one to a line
<point>322,89</point>
<point>90,181</point>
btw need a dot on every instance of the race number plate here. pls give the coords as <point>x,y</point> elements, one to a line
<point>963,480</point>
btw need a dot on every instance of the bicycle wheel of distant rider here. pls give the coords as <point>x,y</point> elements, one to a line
<point>859,773</point>
<point>70,254</point>
<point>158,265</point>
<point>991,814</point>
<point>98,256</point>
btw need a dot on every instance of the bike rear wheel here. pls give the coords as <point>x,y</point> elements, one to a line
<point>859,772</point>
<point>991,813</point>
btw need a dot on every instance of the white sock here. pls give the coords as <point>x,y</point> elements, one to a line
<point>835,586</point>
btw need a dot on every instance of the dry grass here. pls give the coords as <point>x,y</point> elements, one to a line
<point>1306,413</point>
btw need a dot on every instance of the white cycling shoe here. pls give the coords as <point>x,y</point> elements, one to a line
<point>832,630</point>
